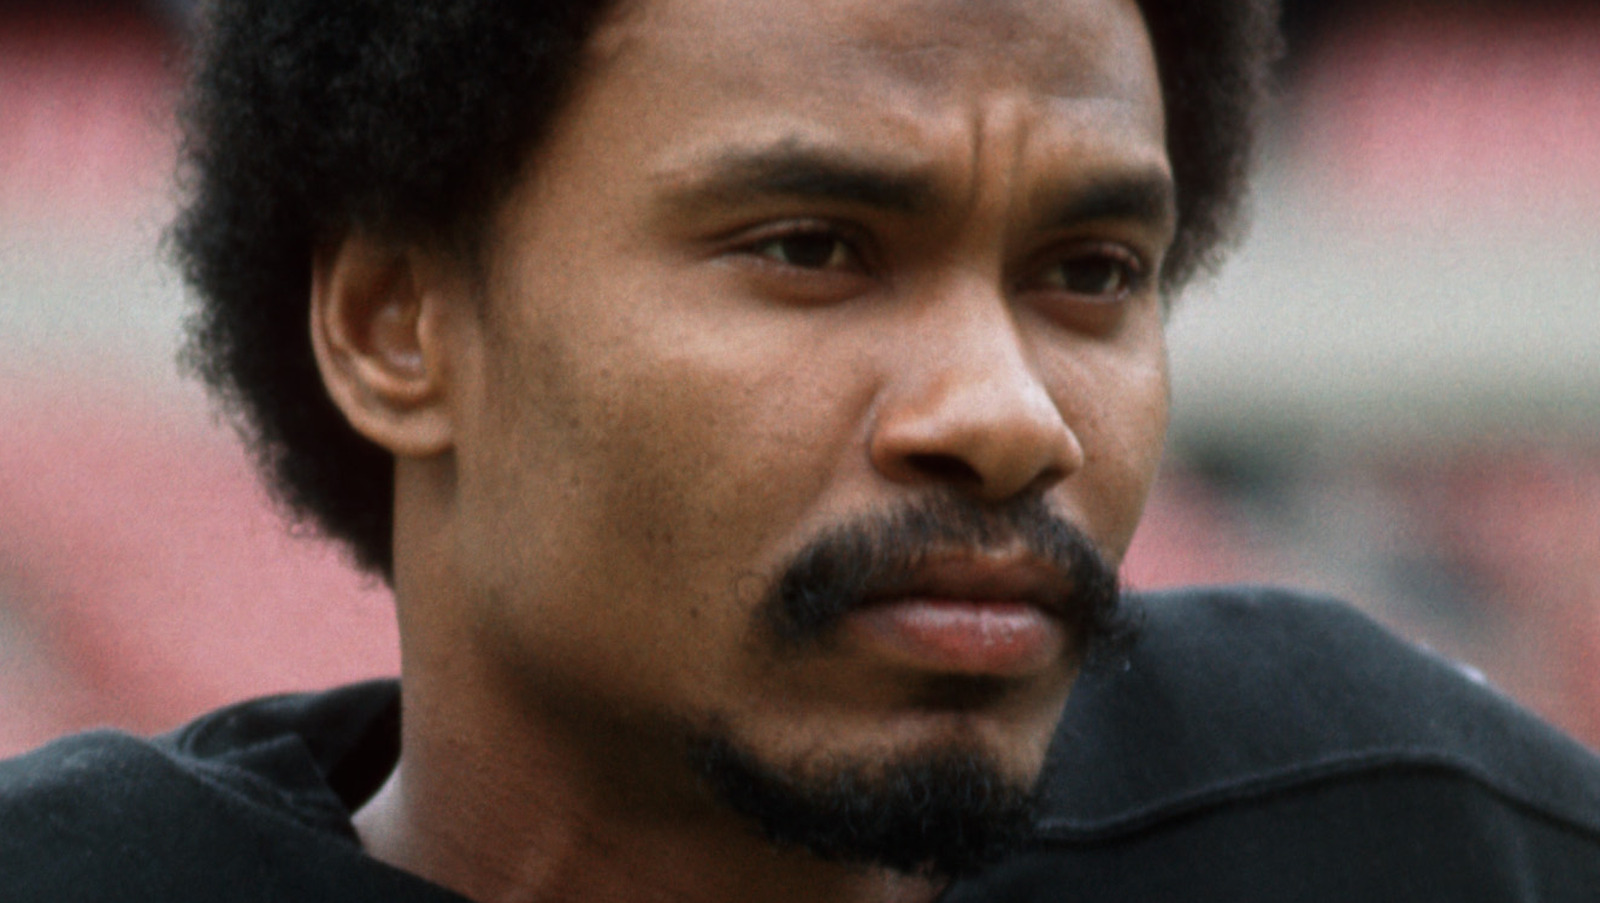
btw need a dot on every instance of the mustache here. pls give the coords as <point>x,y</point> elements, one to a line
<point>880,555</point>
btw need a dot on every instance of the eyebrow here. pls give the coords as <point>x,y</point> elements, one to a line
<point>1146,197</point>
<point>796,172</point>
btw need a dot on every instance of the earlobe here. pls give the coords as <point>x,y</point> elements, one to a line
<point>377,327</point>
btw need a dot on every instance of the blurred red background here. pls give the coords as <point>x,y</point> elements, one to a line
<point>1453,491</point>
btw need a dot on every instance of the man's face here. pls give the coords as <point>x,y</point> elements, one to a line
<point>790,269</point>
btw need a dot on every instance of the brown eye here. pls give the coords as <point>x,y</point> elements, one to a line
<point>808,251</point>
<point>1096,275</point>
<point>802,261</point>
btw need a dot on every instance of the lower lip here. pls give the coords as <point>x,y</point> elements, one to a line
<point>1001,639</point>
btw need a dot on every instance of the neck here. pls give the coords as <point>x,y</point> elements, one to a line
<point>507,791</point>
<point>541,824</point>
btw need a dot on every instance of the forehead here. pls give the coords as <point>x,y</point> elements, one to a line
<point>1061,41</point>
<point>916,66</point>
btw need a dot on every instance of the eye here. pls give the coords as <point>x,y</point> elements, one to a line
<point>1103,274</point>
<point>808,249</point>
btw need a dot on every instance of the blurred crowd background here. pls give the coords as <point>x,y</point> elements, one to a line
<point>1391,394</point>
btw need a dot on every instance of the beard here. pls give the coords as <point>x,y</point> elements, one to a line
<point>935,811</point>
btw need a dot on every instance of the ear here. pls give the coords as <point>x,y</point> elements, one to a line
<point>378,327</point>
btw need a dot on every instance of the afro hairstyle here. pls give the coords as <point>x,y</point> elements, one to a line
<point>307,119</point>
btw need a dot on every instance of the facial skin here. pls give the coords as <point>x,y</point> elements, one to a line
<point>782,267</point>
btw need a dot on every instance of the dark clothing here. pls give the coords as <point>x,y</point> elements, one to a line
<point>1252,746</point>
<point>1262,746</point>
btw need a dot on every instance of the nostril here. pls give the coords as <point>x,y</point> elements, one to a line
<point>945,468</point>
<point>1048,477</point>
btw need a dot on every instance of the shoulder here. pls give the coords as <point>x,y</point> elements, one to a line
<point>78,810</point>
<point>1235,690</point>
<point>1260,744</point>
<point>229,807</point>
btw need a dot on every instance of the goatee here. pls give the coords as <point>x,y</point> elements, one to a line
<point>935,811</point>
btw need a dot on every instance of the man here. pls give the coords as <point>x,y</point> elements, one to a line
<point>749,403</point>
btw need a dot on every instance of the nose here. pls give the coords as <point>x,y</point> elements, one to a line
<point>966,408</point>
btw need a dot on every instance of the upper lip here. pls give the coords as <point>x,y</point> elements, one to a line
<point>983,577</point>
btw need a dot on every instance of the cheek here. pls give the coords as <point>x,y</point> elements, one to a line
<point>694,466</point>
<point>621,512</point>
<point>1118,407</point>
<point>718,449</point>
<point>666,458</point>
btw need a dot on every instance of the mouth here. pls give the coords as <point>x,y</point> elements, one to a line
<point>998,617</point>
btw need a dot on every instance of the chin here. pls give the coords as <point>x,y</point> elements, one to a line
<point>945,806</point>
<point>1005,723</point>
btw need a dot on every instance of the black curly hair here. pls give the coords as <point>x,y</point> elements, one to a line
<point>307,118</point>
